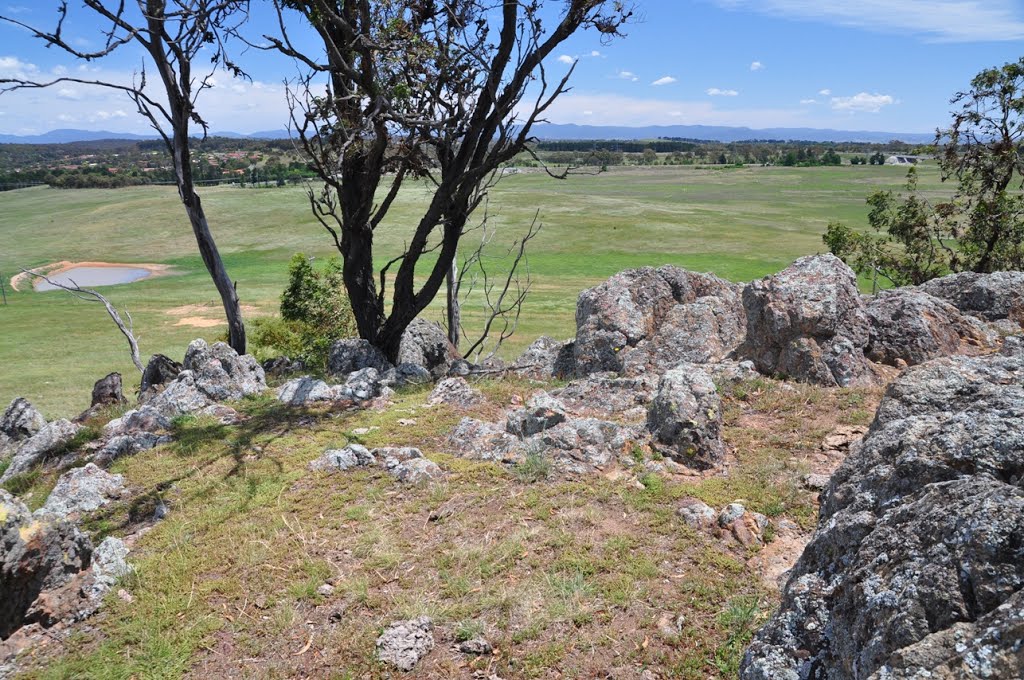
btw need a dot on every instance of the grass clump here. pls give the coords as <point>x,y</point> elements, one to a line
<point>534,468</point>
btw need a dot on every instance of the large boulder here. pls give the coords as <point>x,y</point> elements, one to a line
<point>652,319</point>
<point>911,326</point>
<point>546,358</point>
<point>221,374</point>
<point>808,322</point>
<point>685,417</point>
<point>354,354</point>
<point>455,392</point>
<point>108,391</point>
<point>610,394</point>
<point>49,440</point>
<point>992,297</point>
<point>426,344</point>
<point>915,569</point>
<point>38,555</point>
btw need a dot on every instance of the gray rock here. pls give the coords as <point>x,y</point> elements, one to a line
<point>83,489</point>
<point>407,374</point>
<point>39,555</point>
<point>404,643</point>
<point>479,440</point>
<point>426,344</point>
<point>281,366</point>
<point>407,465</point>
<point>910,326</point>
<point>816,482</point>
<point>353,354</point>
<point>352,456</point>
<point>129,445</point>
<point>48,440</point>
<point>362,385</point>
<point>685,417</point>
<point>729,372</point>
<point>652,319</point>
<point>808,322</point>
<point>160,371</point>
<point>144,419</point>
<point>21,420</point>
<point>610,394</point>
<point>581,445</point>
<point>916,562</point>
<point>110,563</point>
<point>995,296</point>
<point>542,413</point>
<point>179,397</point>
<point>476,646</point>
<point>455,392</point>
<point>108,391</point>
<point>730,514</point>
<point>697,514</point>
<point>305,390</point>
<point>221,374</point>
<point>544,359</point>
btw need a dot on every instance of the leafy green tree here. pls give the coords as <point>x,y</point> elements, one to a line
<point>984,152</point>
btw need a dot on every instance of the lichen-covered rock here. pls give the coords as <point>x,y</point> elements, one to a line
<point>83,489</point>
<point>910,326</point>
<point>339,460</point>
<point>407,464</point>
<point>48,440</point>
<point>546,358</point>
<point>916,561</point>
<point>305,390</point>
<point>685,417</point>
<point>407,374</point>
<point>609,393</point>
<point>697,514</point>
<point>109,563</point>
<point>542,412</point>
<point>354,354</point>
<point>455,392</point>
<point>37,554</point>
<point>129,444</point>
<point>160,371</point>
<point>145,419</point>
<point>179,397</point>
<point>21,420</point>
<point>426,344</point>
<point>808,322</point>
<point>107,391</point>
<point>652,319</point>
<point>581,445</point>
<point>479,440</point>
<point>995,296</point>
<point>221,374</point>
<point>404,643</point>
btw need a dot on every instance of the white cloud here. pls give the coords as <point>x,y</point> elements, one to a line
<point>862,102</point>
<point>69,94</point>
<point>825,93</point>
<point>595,53</point>
<point>12,67</point>
<point>938,20</point>
<point>666,80</point>
<point>565,59</point>
<point>627,75</point>
<point>805,102</point>
<point>756,66</point>
<point>717,92</point>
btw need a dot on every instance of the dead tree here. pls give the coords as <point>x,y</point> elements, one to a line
<point>172,35</point>
<point>405,89</point>
<point>89,295</point>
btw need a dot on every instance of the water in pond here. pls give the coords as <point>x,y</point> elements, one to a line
<point>87,277</point>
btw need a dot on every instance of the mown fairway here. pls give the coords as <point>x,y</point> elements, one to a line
<point>739,223</point>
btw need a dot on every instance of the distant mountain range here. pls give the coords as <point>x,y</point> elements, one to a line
<point>548,131</point>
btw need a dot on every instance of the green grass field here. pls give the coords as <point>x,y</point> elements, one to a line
<point>740,223</point>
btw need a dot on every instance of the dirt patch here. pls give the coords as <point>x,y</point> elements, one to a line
<point>207,315</point>
<point>54,268</point>
<point>199,322</point>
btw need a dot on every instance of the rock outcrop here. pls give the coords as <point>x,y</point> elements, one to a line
<point>546,358</point>
<point>916,567</point>
<point>83,489</point>
<point>40,555</point>
<point>425,344</point>
<point>50,439</point>
<point>685,417</point>
<point>19,422</point>
<point>211,374</point>
<point>404,643</point>
<point>160,371</point>
<point>992,297</point>
<point>354,354</point>
<point>808,322</point>
<point>909,326</point>
<point>652,319</point>
<point>455,392</point>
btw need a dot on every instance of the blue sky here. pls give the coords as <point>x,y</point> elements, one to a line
<point>853,65</point>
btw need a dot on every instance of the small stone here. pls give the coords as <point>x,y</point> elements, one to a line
<point>816,482</point>
<point>406,422</point>
<point>125,596</point>
<point>325,590</point>
<point>697,513</point>
<point>477,646</point>
<point>404,643</point>
<point>730,514</point>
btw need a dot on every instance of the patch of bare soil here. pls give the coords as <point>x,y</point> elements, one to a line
<point>197,315</point>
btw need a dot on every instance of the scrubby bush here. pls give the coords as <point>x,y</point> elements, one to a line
<point>315,312</point>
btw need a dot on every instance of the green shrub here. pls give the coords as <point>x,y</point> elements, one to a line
<point>315,312</point>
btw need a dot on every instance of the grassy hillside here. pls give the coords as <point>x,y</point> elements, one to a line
<point>739,223</point>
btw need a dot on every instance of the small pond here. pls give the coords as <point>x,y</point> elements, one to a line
<point>87,277</point>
